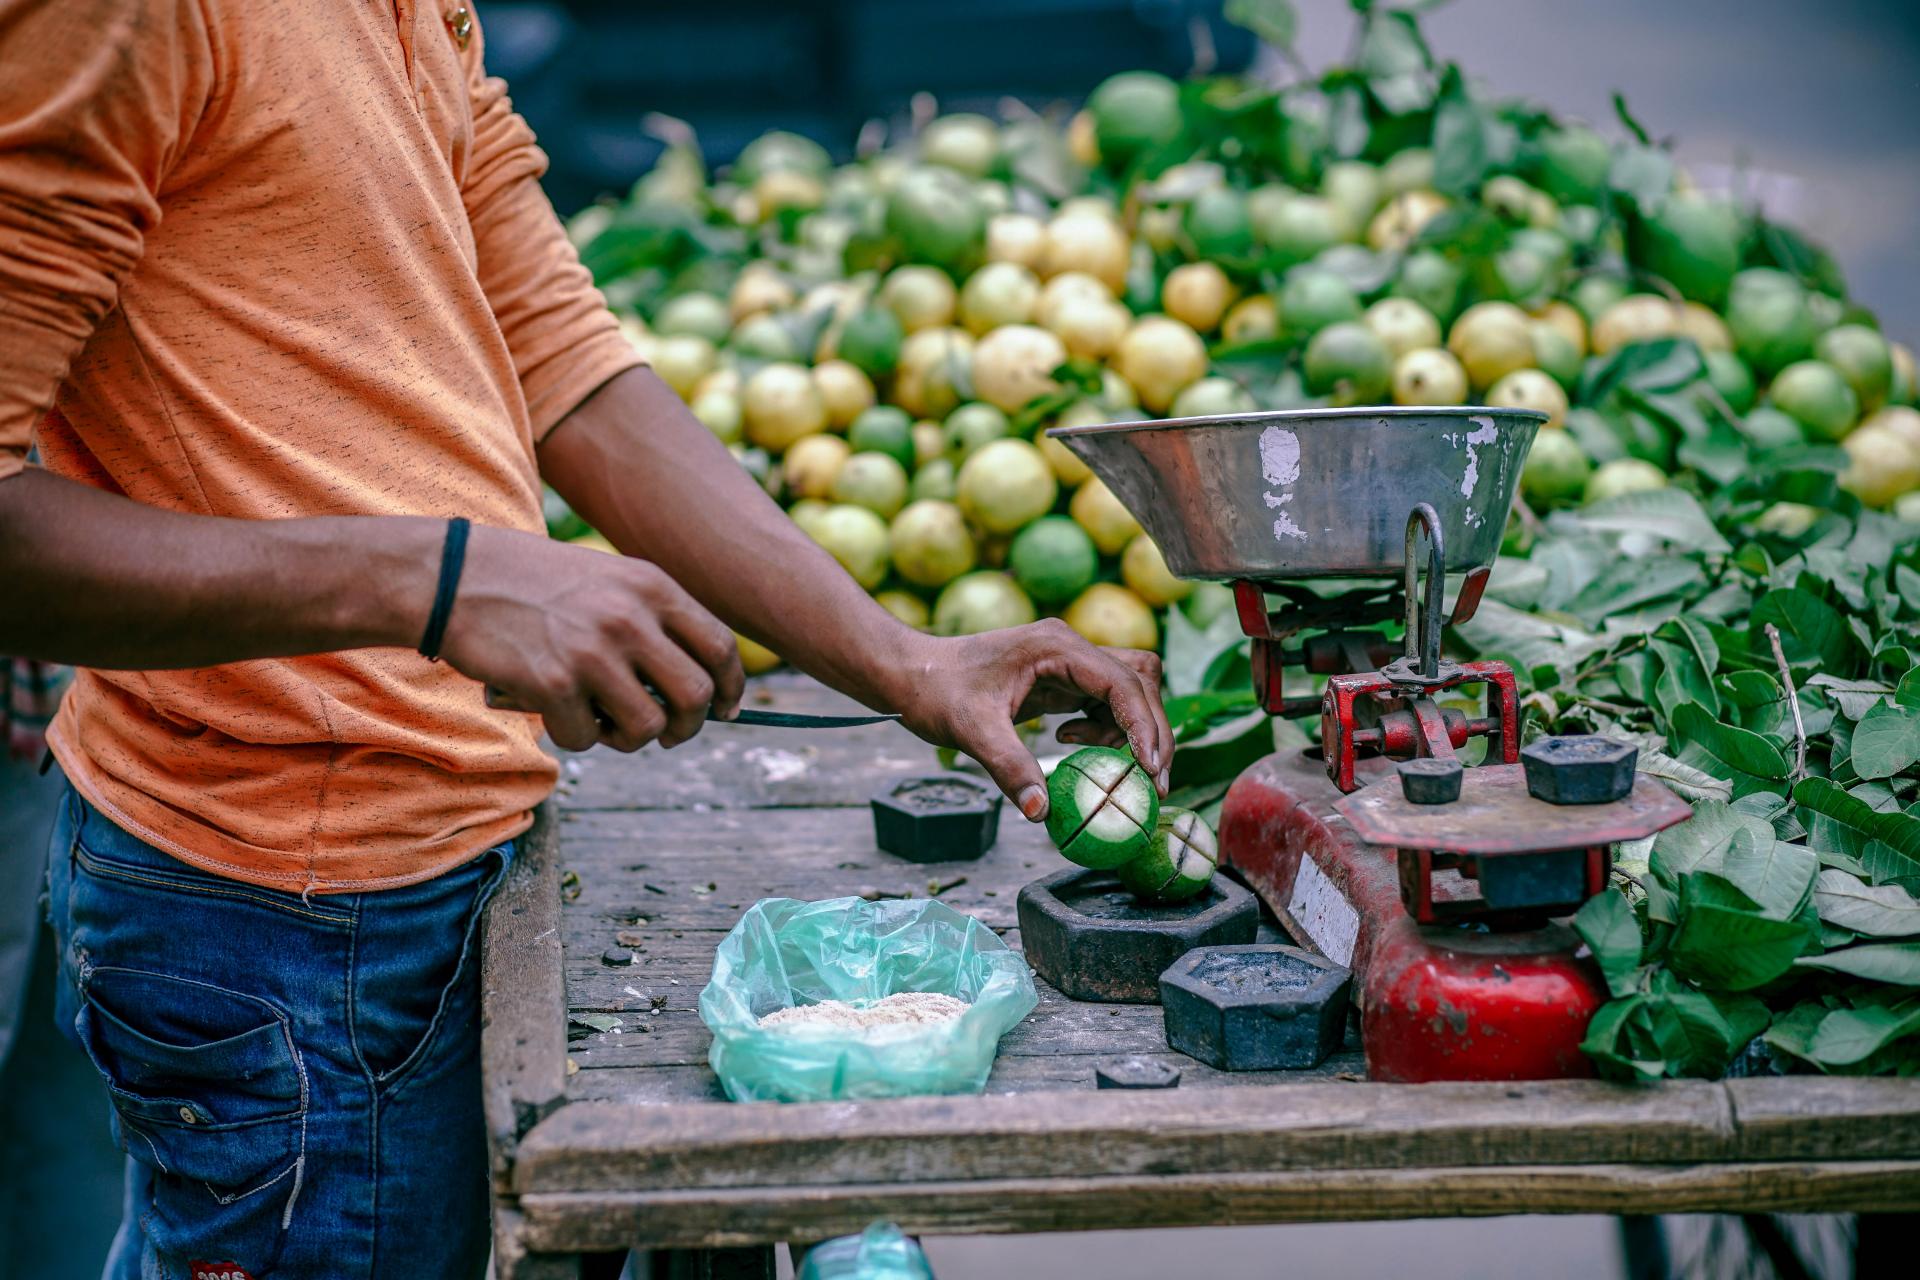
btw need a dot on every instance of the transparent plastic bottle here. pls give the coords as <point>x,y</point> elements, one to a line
<point>881,1252</point>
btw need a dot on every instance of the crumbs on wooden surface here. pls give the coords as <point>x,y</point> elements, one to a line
<point>903,1008</point>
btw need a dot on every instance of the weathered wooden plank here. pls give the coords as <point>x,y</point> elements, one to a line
<point>1810,1117</point>
<point>702,869</point>
<point>512,1259</point>
<point>597,1147</point>
<point>743,767</point>
<point>728,1217</point>
<point>676,1036</point>
<point>522,996</point>
<point>657,1086</point>
<point>587,1147</point>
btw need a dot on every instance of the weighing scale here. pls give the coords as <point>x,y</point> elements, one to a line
<point>1444,886</point>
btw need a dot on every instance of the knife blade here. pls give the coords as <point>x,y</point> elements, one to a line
<point>502,701</point>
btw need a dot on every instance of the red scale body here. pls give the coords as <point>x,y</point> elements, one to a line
<point>1444,887</point>
<point>1451,985</point>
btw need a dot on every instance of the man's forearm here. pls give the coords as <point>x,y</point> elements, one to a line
<point>640,468</point>
<point>97,580</point>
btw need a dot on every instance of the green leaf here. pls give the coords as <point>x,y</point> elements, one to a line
<point>1887,845</point>
<point>1907,583</point>
<point>1740,847</point>
<point>1190,650</point>
<point>1223,751</point>
<point>1897,963</point>
<point>1854,697</point>
<point>1702,841</point>
<point>1777,875</point>
<point>1680,680</point>
<point>1273,21</point>
<point>1190,715</point>
<point>1748,1016</point>
<point>1697,638</point>
<point>1629,583</point>
<point>1724,940</point>
<point>1684,780</point>
<point>1847,1036</point>
<point>1794,253</point>
<point>1675,1031</point>
<point>1607,926</point>
<point>602,1022</point>
<point>1649,367</point>
<point>1606,1042</point>
<point>1811,630</point>
<point>1672,514</point>
<point>1721,455</point>
<point>1907,694</point>
<point>1459,139</point>
<point>1395,61</point>
<point>1642,174</point>
<point>1692,1033</point>
<point>1886,741</point>
<point>1626,118</point>
<point>1792,1032</point>
<point>1748,691</point>
<point>1749,761</point>
<point>1884,911</point>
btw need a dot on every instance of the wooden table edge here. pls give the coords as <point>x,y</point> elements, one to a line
<point>523,1040</point>
<point>565,1222</point>
<point>611,1147</point>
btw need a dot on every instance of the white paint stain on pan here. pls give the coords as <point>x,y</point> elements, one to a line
<point>1280,466</point>
<point>1484,432</point>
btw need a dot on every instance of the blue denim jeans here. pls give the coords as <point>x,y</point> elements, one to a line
<point>296,1082</point>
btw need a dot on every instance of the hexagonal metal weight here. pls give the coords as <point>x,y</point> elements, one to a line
<point>1093,940</point>
<point>1255,1008</point>
<point>1581,768</point>
<point>1134,1072</point>
<point>1429,781</point>
<point>943,817</point>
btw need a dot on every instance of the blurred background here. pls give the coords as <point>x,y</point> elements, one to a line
<point>1811,106</point>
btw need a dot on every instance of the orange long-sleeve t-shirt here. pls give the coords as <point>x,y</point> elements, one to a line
<point>277,258</point>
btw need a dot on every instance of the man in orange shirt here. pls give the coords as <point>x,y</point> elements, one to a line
<point>298,337</point>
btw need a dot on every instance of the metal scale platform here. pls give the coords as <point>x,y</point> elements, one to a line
<point>1443,886</point>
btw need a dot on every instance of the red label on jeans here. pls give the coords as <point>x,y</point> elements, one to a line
<point>217,1271</point>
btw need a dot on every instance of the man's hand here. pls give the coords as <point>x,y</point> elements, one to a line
<point>643,471</point>
<point>970,692</point>
<point>580,637</point>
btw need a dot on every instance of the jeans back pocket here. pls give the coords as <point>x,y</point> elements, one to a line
<point>208,1091</point>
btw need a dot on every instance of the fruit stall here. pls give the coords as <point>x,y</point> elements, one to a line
<point>610,1129</point>
<point>1680,509</point>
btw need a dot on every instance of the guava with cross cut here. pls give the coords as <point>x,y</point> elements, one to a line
<point>1103,808</point>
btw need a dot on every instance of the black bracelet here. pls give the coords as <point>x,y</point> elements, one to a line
<point>453,557</point>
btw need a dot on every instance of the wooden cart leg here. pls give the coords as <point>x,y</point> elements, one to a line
<point>539,1266</point>
<point>1643,1248</point>
<point>754,1262</point>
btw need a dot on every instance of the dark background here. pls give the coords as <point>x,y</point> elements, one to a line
<point>1813,104</point>
<point>584,71</point>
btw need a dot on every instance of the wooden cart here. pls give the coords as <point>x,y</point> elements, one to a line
<point>605,1140</point>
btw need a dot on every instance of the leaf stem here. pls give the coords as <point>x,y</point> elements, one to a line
<point>1793,701</point>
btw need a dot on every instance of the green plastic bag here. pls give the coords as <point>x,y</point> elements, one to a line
<point>785,952</point>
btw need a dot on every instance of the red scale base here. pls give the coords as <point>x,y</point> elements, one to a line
<point>1437,1002</point>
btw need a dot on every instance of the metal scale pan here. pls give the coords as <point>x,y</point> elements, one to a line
<point>1312,493</point>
